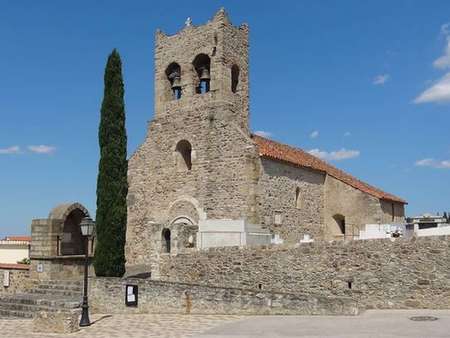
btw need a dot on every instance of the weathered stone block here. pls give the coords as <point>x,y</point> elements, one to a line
<point>63,321</point>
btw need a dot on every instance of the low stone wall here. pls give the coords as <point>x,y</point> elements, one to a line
<point>19,279</point>
<point>411,273</point>
<point>107,295</point>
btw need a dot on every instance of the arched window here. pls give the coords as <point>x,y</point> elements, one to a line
<point>298,201</point>
<point>173,73</point>
<point>340,222</point>
<point>166,245</point>
<point>184,152</point>
<point>202,65</point>
<point>234,78</point>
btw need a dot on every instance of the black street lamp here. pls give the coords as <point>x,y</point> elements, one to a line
<point>87,226</point>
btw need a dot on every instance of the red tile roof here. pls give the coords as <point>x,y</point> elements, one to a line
<point>18,238</point>
<point>284,153</point>
<point>14,266</point>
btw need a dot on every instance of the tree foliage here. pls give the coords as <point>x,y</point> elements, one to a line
<point>112,186</point>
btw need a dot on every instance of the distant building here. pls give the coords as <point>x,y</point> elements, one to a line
<point>427,225</point>
<point>377,231</point>
<point>424,225</point>
<point>14,249</point>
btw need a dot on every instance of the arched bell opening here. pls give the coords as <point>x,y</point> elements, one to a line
<point>202,66</point>
<point>173,73</point>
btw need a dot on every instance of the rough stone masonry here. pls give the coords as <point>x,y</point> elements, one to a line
<point>401,273</point>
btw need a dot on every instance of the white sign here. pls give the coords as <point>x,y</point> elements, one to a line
<point>40,267</point>
<point>5,278</point>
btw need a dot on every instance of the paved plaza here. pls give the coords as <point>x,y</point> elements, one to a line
<point>379,324</point>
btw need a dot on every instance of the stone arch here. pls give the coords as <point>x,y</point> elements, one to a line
<point>61,211</point>
<point>70,240</point>
<point>182,220</point>
<point>183,209</point>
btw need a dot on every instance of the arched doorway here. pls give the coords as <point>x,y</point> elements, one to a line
<point>339,226</point>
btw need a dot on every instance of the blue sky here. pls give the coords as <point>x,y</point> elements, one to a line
<point>365,85</point>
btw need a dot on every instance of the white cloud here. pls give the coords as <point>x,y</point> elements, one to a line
<point>380,79</point>
<point>439,92</point>
<point>347,133</point>
<point>337,155</point>
<point>42,149</point>
<point>431,162</point>
<point>10,150</point>
<point>445,29</point>
<point>443,62</point>
<point>263,133</point>
<point>314,134</point>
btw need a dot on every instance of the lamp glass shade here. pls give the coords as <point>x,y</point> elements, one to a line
<point>87,226</point>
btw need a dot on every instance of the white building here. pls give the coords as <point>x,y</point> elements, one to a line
<point>14,249</point>
<point>427,225</point>
<point>377,231</point>
<point>424,225</point>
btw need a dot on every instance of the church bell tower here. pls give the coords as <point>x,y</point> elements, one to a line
<point>198,166</point>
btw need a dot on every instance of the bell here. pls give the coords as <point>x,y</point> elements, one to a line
<point>204,75</point>
<point>176,83</point>
<point>175,79</point>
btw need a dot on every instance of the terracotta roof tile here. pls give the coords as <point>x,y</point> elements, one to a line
<point>282,152</point>
<point>14,266</point>
<point>18,238</point>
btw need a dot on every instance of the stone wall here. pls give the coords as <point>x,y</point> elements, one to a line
<point>358,208</point>
<point>19,280</point>
<point>377,273</point>
<point>277,194</point>
<point>107,295</point>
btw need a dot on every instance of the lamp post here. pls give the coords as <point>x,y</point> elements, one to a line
<point>87,226</point>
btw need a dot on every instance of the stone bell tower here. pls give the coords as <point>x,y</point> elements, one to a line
<point>198,166</point>
<point>203,66</point>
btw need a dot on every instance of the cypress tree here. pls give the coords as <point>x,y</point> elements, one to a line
<point>112,186</point>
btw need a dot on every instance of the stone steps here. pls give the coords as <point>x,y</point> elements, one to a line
<point>61,288</point>
<point>49,296</point>
<point>26,305</point>
<point>61,293</point>
<point>17,314</point>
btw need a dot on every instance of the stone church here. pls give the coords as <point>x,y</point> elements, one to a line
<point>202,179</point>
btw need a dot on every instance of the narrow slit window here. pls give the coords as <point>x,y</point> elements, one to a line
<point>234,78</point>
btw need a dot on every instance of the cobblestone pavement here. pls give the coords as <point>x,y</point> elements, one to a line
<point>371,324</point>
<point>121,326</point>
